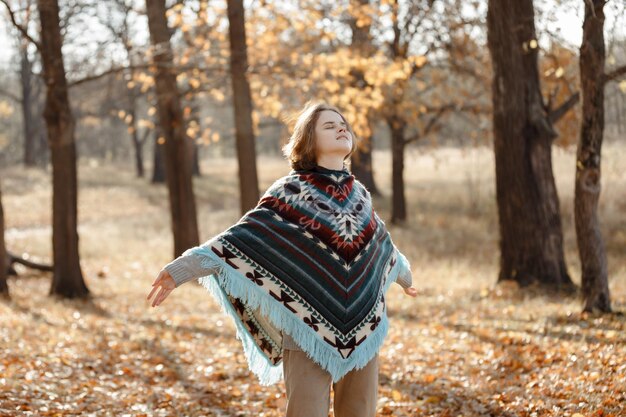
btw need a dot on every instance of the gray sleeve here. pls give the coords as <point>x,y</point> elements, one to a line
<point>186,268</point>
<point>405,280</point>
<point>405,276</point>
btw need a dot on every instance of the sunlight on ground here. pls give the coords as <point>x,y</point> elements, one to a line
<point>463,347</point>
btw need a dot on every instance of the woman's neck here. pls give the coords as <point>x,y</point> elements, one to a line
<point>330,162</point>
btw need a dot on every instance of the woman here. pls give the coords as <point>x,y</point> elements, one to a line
<point>304,275</point>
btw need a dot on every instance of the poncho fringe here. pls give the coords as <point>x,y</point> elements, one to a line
<point>226,281</point>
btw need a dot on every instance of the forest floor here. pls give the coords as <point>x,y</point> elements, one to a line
<point>463,347</point>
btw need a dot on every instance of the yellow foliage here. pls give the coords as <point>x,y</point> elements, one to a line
<point>91,121</point>
<point>419,60</point>
<point>560,72</point>
<point>146,124</point>
<point>178,20</point>
<point>6,109</point>
<point>217,94</point>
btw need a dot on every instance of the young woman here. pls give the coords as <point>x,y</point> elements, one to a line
<point>304,275</point>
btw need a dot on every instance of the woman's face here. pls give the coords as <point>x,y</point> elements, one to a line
<point>332,137</point>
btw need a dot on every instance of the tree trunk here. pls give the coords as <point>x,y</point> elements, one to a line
<point>195,161</point>
<point>67,279</point>
<point>593,260</point>
<point>194,117</point>
<point>362,167</point>
<point>177,154</point>
<point>158,171</point>
<point>531,238</point>
<point>246,154</point>
<point>398,202</point>
<point>361,160</point>
<point>134,135</point>
<point>41,145</point>
<point>138,146</point>
<point>30,132</point>
<point>620,113</point>
<point>4,288</point>
<point>134,131</point>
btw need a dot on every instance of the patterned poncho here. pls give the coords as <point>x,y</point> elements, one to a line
<point>312,260</point>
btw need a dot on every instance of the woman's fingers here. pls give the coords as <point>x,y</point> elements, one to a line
<point>165,284</point>
<point>156,301</point>
<point>161,296</point>
<point>154,289</point>
<point>411,291</point>
<point>156,285</point>
<point>159,278</point>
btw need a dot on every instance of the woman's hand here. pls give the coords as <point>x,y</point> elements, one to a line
<point>411,291</point>
<point>166,283</point>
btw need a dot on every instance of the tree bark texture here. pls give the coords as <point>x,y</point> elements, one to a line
<point>134,133</point>
<point>67,280</point>
<point>30,131</point>
<point>362,167</point>
<point>178,164</point>
<point>158,171</point>
<point>397,126</point>
<point>587,190</point>
<point>246,154</point>
<point>361,160</point>
<point>531,238</point>
<point>4,288</point>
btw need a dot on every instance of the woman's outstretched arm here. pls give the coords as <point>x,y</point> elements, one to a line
<point>164,284</point>
<point>185,268</point>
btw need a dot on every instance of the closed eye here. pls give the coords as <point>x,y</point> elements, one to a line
<point>332,124</point>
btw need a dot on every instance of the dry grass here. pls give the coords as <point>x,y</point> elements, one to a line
<point>462,347</point>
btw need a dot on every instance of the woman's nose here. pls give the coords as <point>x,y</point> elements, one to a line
<point>342,128</point>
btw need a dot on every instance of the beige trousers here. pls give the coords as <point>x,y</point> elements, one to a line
<point>308,388</point>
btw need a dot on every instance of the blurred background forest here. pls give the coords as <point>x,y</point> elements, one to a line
<point>133,130</point>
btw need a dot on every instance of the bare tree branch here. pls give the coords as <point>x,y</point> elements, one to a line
<point>214,70</point>
<point>433,120</point>
<point>104,74</point>
<point>144,138</point>
<point>556,114</point>
<point>19,27</point>
<point>10,95</point>
<point>439,112</point>
<point>618,72</point>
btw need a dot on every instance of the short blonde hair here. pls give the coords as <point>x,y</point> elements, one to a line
<point>300,149</point>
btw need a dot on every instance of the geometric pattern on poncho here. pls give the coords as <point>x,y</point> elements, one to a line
<point>317,247</point>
